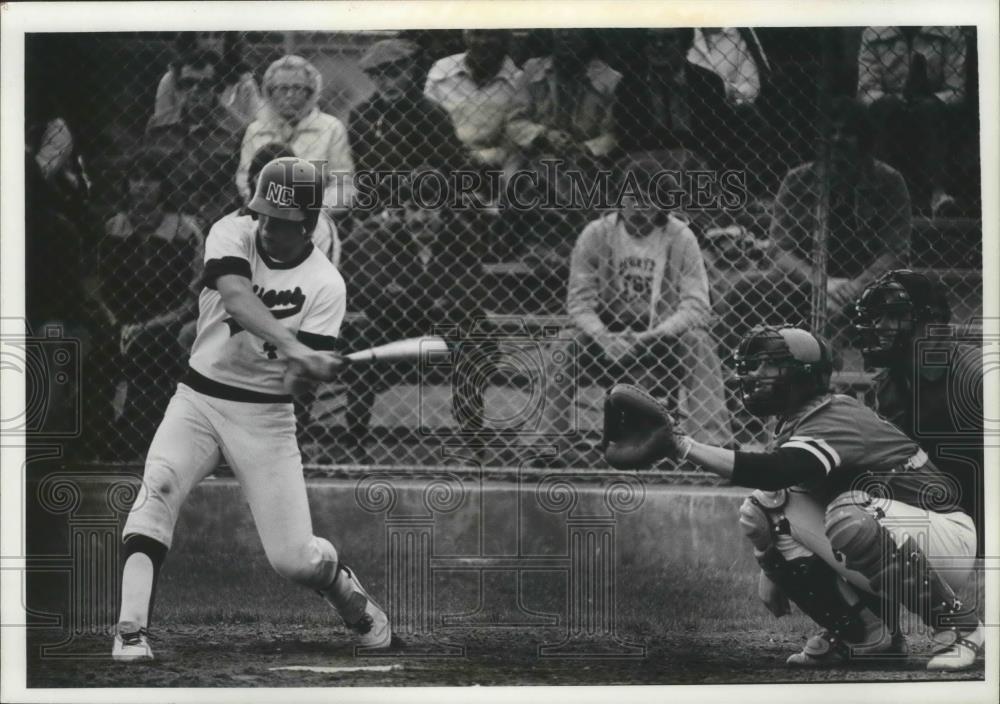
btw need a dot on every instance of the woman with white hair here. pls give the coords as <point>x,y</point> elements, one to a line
<point>290,115</point>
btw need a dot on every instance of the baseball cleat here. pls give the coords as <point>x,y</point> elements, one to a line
<point>827,650</point>
<point>360,613</point>
<point>955,650</point>
<point>131,643</point>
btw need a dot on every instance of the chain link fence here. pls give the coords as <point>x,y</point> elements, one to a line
<point>619,205</point>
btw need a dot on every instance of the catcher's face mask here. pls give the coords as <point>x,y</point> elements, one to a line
<point>777,366</point>
<point>885,323</point>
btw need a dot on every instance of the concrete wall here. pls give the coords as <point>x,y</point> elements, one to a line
<point>493,519</point>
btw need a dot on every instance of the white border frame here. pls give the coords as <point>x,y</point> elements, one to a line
<point>18,18</point>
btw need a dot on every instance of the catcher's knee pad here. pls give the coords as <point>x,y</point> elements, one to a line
<point>897,568</point>
<point>853,529</point>
<point>312,565</point>
<point>759,517</point>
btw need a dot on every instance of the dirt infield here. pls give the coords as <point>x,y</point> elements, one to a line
<point>243,655</point>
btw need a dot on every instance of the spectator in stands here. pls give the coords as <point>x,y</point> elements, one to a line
<point>563,101</point>
<point>638,296</point>
<point>398,128</point>
<point>673,104</point>
<point>868,232</point>
<point>729,251</point>
<point>148,276</point>
<point>414,274</point>
<point>435,44</point>
<point>562,113</point>
<point>869,214</point>
<point>737,57</point>
<point>290,115</point>
<point>201,140</point>
<point>733,55</point>
<point>477,89</point>
<point>50,142</point>
<point>913,80</point>
<point>238,91</point>
<point>55,262</point>
<point>60,233</point>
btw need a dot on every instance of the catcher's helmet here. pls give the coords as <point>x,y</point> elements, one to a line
<point>804,361</point>
<point>289,189</point>
<point>901,294</point>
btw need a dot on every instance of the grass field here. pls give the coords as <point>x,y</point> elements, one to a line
<point>683,607</point>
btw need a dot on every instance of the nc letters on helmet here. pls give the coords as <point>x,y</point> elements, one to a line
<point>280,195</point>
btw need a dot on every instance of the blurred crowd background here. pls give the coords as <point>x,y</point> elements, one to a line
<point>849,151</point>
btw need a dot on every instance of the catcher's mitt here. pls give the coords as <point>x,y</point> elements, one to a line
<point>638,430</point>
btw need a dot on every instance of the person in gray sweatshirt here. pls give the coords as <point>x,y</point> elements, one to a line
<point>638,297</point>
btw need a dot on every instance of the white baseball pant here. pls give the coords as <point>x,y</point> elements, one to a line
<point>948,539</point>
<point>258,441</point>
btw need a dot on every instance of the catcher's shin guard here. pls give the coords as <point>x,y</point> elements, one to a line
<point>811,583</point>
<point>822,595</point>
<point>895,571</point>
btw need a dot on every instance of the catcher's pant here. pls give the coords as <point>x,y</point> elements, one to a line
<point>258,441</point>
<point>948,539</point>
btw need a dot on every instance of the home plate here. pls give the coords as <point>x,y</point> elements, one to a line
<point>337,670</point>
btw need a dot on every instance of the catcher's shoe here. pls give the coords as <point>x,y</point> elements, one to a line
<point>358,610</point>
<point>131,643</point>
<point>956,650</point>
<point>827,650</point>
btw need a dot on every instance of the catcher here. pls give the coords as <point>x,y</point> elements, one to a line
<point>849,517</point>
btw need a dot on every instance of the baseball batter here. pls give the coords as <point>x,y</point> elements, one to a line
<point>850,517</point>
<point>270,310</point>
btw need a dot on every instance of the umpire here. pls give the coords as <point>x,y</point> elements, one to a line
<point>928,385</point>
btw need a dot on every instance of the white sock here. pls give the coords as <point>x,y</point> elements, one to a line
<point>137,587</point>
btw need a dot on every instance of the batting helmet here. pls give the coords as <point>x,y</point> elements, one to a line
<point>289,189</point>
<point>804,363</point>
<point>908,297</point>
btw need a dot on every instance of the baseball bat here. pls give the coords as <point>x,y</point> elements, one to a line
<point>400,351</point>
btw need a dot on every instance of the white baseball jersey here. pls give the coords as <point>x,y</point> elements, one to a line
<point>307,295</point>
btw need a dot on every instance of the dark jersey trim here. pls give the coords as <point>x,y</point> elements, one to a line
<point>290,264</point>
<point>320,343</point>
<point>785,467</point>
<point>202,384</point>
<point>214,268</point>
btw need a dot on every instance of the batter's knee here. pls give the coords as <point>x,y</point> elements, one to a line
<point>852,527</point>
<point>312,565</point>
<point>756,523</point>
<point>157,503</point>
